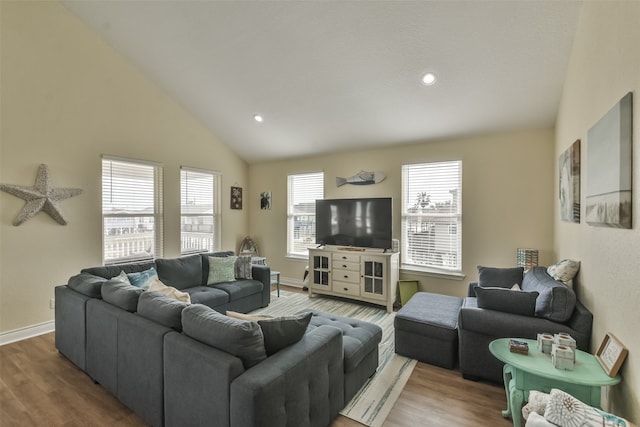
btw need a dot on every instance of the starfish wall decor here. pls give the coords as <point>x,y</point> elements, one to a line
<point>41,197</point>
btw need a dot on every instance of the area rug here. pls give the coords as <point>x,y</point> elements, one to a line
<point>374,401</point>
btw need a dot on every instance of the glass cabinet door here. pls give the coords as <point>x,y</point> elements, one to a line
<point>321,270</point>
<point>373,278</point>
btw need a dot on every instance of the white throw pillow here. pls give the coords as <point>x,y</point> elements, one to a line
<point>536,405</point>
<point>565,410</point>
<point>169,291</point>
<point>564,271</point>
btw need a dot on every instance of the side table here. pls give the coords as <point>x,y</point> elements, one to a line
<point>275,280</point>
<point>523,373</point>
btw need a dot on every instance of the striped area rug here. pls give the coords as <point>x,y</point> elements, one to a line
<point>374,401</point>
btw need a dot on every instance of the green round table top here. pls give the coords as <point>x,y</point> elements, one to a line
<point>586,371</point>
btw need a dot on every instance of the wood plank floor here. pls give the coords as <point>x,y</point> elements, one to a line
<point>40,387</point>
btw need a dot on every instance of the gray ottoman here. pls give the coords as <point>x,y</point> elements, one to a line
<point>360,341</point>
<point>426,329</point>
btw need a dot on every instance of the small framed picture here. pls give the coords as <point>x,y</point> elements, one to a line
<point>265,200</point>
<point>611,354</point>
<point>236,197</point>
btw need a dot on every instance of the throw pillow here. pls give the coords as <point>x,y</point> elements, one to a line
<point>282,332</point>
<point>221,270</point>
<point>516,287</point>
<point>169,291</point>
<point>248,317</point>
<point>564,271</point>
<point>144,278</point>
<point>536,404</point>
<point>122,277</point>
<point>565,410</point>
<point>499,277</point>
<point>234,336</point>
<point>243,267</point>
<point>506,300</point>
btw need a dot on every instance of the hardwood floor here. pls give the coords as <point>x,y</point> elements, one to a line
<point>40,387</point>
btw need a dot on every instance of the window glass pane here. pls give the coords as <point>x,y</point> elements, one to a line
<point>431,215</point>
<point>131,210</point>
<point>303,191</point>
<point>198,208</point>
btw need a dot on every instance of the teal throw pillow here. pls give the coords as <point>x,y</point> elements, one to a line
<point>143,279</point>
<point>221,269</point>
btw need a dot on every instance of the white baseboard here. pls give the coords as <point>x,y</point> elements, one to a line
<point>292,282</point>
<point>27,332</point>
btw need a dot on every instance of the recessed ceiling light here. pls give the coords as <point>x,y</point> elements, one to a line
<point>428,79</point>
<point>258,118</point>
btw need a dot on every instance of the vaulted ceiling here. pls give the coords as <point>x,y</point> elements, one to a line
<point>343,75</point>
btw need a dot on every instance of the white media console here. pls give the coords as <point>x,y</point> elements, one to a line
<point>359,274</point>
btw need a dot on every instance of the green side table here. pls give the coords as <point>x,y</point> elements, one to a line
<point>523,373</point>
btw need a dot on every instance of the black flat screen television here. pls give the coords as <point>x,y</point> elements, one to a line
<point>364,223</point>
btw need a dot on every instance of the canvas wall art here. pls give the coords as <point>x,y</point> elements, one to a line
<point>265,200</point>
<point>569,166</point>
<point>236,197</point>
<point>609,168</point>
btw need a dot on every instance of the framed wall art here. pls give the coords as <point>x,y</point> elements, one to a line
<point>236,197</point>
<point>265,200</point>
<point>609,168</point>
<point>611,354</point>
<point>569,173</point>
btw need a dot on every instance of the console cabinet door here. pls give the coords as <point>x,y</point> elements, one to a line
<point>374,277</point>
<point>320,271</point>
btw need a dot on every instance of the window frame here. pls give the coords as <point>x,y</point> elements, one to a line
<point>215,214</point>
<point>452,218</point>
<point>292,212</point>
<point>157,215</point>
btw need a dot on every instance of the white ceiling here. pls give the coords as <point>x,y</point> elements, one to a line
<point>343,75</point>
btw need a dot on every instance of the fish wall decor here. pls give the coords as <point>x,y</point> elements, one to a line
<point>361,178</point>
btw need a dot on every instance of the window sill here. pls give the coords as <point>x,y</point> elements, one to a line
<point>297,258</point>
<point>440,274</point>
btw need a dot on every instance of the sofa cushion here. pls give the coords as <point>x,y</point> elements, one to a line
<point>205,262</point>
<point>221,270</point>
<point>237,337</point>
<point>240,288</point>
<point>143,279</point>
<point>506,300</point>
<point>121,294</point>
<point>208,296</point>
<point>113,270</point>
<point>87,284</point>
<point>281,332</point>
<point>161,309</point>
<point>180,273</point>
<point>556,300</point>
<point>499,277</point>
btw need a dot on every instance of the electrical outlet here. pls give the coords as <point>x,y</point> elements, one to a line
<point>52,303</point>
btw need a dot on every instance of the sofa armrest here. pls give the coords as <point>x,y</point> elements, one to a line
<point>262,273</point>
<point>302,384</point>
<point>470,289</point>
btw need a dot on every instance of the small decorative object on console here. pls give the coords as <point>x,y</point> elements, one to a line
<point>545,342</point>
<point>519,347</point>
<point>562,357</point>
<point>566,340</point>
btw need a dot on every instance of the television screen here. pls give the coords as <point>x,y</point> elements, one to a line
<point>362,223</point>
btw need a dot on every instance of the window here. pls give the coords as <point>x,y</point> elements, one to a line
<point>302,192</point>
<point>432,216</point>
<point>131,210</point>
<point>199,219</point>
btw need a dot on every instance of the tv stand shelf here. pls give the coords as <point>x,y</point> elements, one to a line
<point>363,275</point>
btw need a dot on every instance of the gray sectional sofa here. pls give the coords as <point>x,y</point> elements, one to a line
<point>180,364</point>
<point>445,330</point>
<point>503,313</point>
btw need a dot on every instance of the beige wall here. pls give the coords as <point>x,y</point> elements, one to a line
<point>506,200</point>
<point>67,98</point>
<point>604,66</point>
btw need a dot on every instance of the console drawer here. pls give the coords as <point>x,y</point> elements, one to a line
<point>342,256</point>
<point>346,276</point>
<point>346,265</point>
<point>346,288</point>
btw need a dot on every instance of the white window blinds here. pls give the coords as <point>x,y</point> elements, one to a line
<point>131,210</point>
<point>302,192</point>
<point>432,216</point>
<point>199,219</point>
